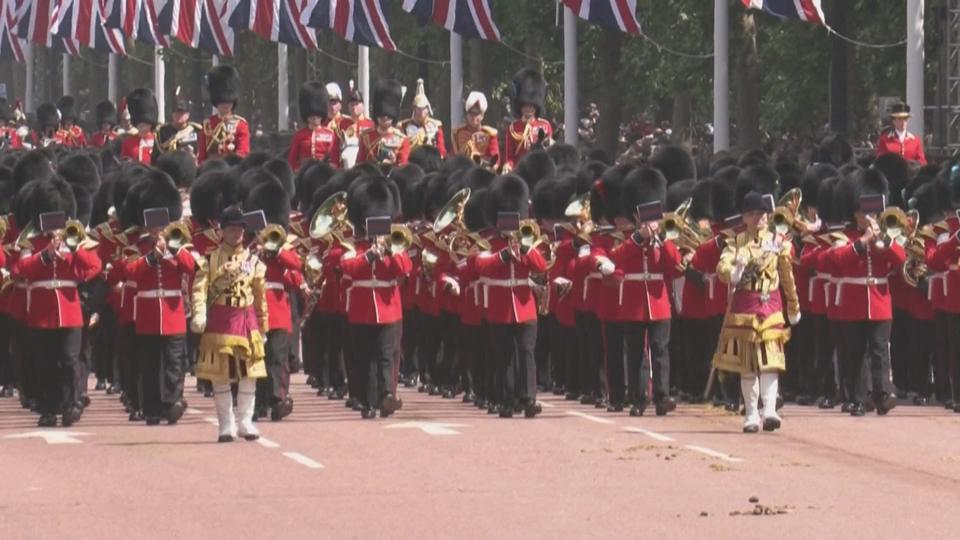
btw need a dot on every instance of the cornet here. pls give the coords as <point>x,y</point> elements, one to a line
<point>74,235</point>
<point>272,238</point>
<point>177,235</point>
<point>400,239</point>
<point>894,227</point>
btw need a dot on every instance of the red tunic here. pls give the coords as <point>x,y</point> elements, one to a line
<point>74,137</point>
<point>645,269</point>
<point>101,138</point>
<point>373,293</point>
<point>234,141</point>
<point>911,148</point>
<point>159,304</point>
<point>321,144</point>
<point>11,139</point>
<point>507,296</point>
<point>392,146</point>
<point>52,297</point>
<point>277,281</point>
<point>138,147</point>
<point>862,285</point>
<point>522,137</point>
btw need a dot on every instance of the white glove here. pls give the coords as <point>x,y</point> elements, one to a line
<point>606,266</point>
<point>794,319</point>
<point>198,323</point>
<point>452,286</point>
<point>737,273</point>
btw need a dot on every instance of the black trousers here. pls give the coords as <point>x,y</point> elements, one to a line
<point>472,348</point>
<point>274,388</point>
<point>8,365</point>
<point>161,359</point>
<point>953,365</point>
<point>104,336</point>
<point>411,339</point>
<point>841,341</point>
<point>825,384</point>
<point>27,369</point>
<point>130,377</point>
<point>704,335</point>
<point>590,341</point>
<point>680,347</point>
<point>901,339</point>
<point>294,359</point>
<point>869,340</point>
<point>448,373</point>
<point>312,339</point>
<point>85,363</point>
<point>613,361</point>
<point>551,338</point>
<point>324,357</point>
<point>804,356</point>
<point>653,336</point>
<point>428,349</point>
<point>921,359</point>
<point>566,345</point>
<point>943,372</point>
<point>513,346</point>
<point>56,354</point>
<point>541,353</point>
<point>375,351</point>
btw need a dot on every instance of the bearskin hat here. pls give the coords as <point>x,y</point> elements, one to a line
<point>534,167</point>
<point>564,155</point>
<point>760,178</point>
<point>411,195</point>
<point>142,105</point>
<point>851,188</point>
<point>180,166</point>
<point>272,198</point>
<point>721,160</point>
<point>213,164</point>
<point>728,176</point>
<point>105,113</point>
<point>406,175</point>
<point>827,200</point>
<point>508,193</point>
<point>529,88</point>
<point>605,192</point>
<point>478,178</point>
<point>6,190</point>
<point>897,172</point>
<point>701,200</point>
<point>309,180</point>
<point>754,156</point>
<point>254,160</point>
<point>67,106</point>
<point>253,178</point>
<point>436,187</point>
<point>675,163</point>
<point>592,170</point>
<point>551,196</point>
<point>790,174</point>
<point>313,100</point>
<point>281,169</point>
<point>387,95</point>
<point>47,116</point>
<point>223,85</point>
<point>834,149</point>
<point>677,193</point>
<point>371,196</point>
<point>924,198</point>
<point>51,195</point>
<point>83,175</point>
<point>33,165</point>
<point>812,178</point>
<point>211,193</point>
<point>475,211</point>
<point>155,190</point>
<point>130,173</point>
<point>643,185</point>
<point>427,157</point>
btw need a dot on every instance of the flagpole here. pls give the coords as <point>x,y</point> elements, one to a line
<point>570,75</point>
<point>915,65</point>
<point>363,75</point>
<point>159,75</point>
<point>28,92</point>
<point>66,74</point>
<point>456,80</point>
<point>283,90</point>
<point>721,76</point>
<point>112,78</point>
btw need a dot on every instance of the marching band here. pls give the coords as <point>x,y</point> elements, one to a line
<point>174,249</point>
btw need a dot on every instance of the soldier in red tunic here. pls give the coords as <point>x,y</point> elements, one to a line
<point>48,123</point>
<point>896,139</point>
<point>225,133</point>
<point>9,138</point>
<point>529,130</point>
<point>473,139</point>
<point>142,106</point>
<point>316,141</point>
<point>385,145</point>
<point>71,134</point>
<point>106,117</point>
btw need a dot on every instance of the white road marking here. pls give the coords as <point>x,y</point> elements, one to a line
<point>267,443</point>
<point>713,453</point>
<point>212,420</point>
<point>546,405</point>
<point>303,460</point>
<point>651,434</point>
<point>191,410</point>
<point>590,417</point>
<point>430,428</point>
<point>51,437</point>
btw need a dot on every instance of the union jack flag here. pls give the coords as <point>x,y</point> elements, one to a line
<point>199,24</point>
<point>358,21</point>
<point>34,21</point>
<point>274,20</point>
<point>618,14</point>
<point>138,19</point>
<point>470,18</point>
<point>10,44</point>
<point>83,21</point>
<point>804,10</point>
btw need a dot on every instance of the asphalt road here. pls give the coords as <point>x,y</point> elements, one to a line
<point>441,469</point>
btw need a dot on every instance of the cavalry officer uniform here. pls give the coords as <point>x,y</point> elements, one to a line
<point>429,131</point>
<point>48,128</point>
<point>350,128</point>
<point>70,134</point>
<point>385,145</point>
<point>106,114</point>
<point>894,141</point>
<point>527,132</point>
<point>53,314</point>
<point>374,311</point>
<point>182,134</point>
<point>229,134</point>
<point>863,299</point>
<point>477,143</point>
<point>143,113</point>
<point>230,313</point>
<point>314,142</point>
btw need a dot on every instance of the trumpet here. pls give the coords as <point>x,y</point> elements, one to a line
<point>400,239</point>
<point>894,227</point>
<point>177,235</point>
<point>272,238</point>
<point>529,235</point>
<point>74,234</point>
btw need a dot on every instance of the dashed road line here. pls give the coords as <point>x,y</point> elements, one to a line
<point>652,434</point>
<point>212,420</point>
<point>267,443</point>
<point>713,453</point>
<point>590,417</point>
<point>191,410</point>
<point>303,460</point>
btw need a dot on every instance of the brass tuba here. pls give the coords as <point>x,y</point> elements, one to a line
<point>330,220</point>
<point>177,234</point>
<point>452,212</point>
